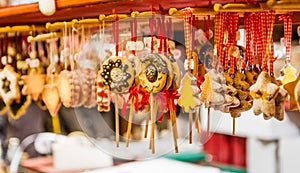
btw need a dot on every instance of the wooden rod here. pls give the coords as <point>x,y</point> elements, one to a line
<point>208,120</point>
<point>129,125</point>
<point>191,126</point>
<point>117,121</point>
<point>197,121</point>
<point>233,126</point>
<point>147,123</point>
<point>44,37</point>
<point>173,126</point>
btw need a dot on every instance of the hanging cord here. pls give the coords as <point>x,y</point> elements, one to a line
<point>65,39</point>
<point>226,39</point>
<point>287,19</point>
<point>163,31</point>
<point>187,35</point>
<point>133,29</point>
<point>151,26</point>
<point>270,46</point>
<point>193,30</point>
<point>170,32</point>
<point>207,27</point>
<point>247,24</point>
<point>218,39</point>
<point>222,41</point>
<point>254,38</point>
<point>159,36</point>
<point>264,40</point>
<point>232,35</point>
<point>115,26</point>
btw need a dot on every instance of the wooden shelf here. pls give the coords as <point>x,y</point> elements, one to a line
<point>77,9</point>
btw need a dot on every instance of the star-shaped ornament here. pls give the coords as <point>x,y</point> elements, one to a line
<point>9,89</point>
<point>34,84</point>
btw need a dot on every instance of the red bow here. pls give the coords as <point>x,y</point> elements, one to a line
<point>133,92</point>
<point>145,98</point>
<point>164,98</point>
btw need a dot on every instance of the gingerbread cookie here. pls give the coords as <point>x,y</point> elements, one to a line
<point>154,74</point>
<point>69,88</point>
<point>9,88</point>
<point>118,74</point>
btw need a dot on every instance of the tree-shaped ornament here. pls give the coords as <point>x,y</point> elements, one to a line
<point>189,98</point>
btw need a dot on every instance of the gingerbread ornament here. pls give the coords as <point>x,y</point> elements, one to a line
<point>34,84</point>
<point>9,88</point>
<point>154,75</point>
<point>117,73</point>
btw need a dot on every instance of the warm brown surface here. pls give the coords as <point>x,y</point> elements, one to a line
<point>67,10</point>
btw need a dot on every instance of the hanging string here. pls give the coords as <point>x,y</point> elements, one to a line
<point>287,34</point>
<point>133,29</point>
<point>270,46</point>
<point>193,24</point>
<point>163,34</point>
<point>169,31</point>
<point>65,32</point>
<point>253,40</point>
<point>187,35</point>
<point>264,39</point>
<point>115,26</point>
<point>248,37</point>
<point>159,36</point>
<point>227,40</point>
<point>222,41</point>
<point>218,39</point>
<point>151,26</point>
<point>207,27</point>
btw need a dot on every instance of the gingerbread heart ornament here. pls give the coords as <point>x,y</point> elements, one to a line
<point>34,84</point>
<point>51,98</point>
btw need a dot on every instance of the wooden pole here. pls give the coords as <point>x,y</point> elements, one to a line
<point>129,125</point>
<point>191,126</point>
<point>117,122</point>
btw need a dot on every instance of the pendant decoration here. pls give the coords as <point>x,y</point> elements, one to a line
<point>9,88</point>
<point>34,84</point>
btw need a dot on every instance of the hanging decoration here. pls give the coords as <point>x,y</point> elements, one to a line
<point>189,91</point>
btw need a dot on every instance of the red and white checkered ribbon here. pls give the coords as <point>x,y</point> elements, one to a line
<point>217,27</point>
<point>248,33</point>
<point>260,44</point>
<point>233,28</point>
<point>222,47</point>
<point>270,28</point>
<point>187,35</point>
<point>263,20</point>
<point>287,19</point>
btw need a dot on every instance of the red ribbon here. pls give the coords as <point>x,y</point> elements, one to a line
<point>133,94</point>
<point>200,80</point>
<point>145,98</point>
<point>116,31</point>
<point>164,98</point>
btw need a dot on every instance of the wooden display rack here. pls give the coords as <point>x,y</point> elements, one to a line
<point>77,9</point>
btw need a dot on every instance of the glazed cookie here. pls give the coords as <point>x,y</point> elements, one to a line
<point>118,74</point>
<point>154,72</point>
